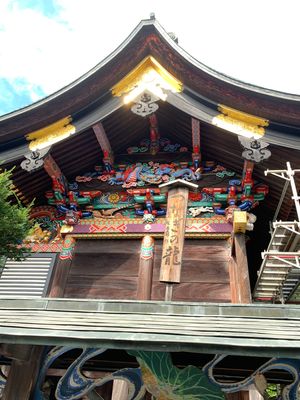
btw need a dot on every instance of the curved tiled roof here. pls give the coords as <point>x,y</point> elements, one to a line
<point>149,38</point>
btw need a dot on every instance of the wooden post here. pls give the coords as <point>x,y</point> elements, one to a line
<point>171,262</point>
<point>144,286</point>
<point>26,358</point>
<point>146,269</point>
<point>62,268</point>
<point>22,376</point>
<point>59,280</point>
<point>19,352</point>
<point>58,284</point>
<point>242,395</point>
<point>169,292</point>
<point>238,271</point>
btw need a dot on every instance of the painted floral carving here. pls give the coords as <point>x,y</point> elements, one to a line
<point>167,382</point>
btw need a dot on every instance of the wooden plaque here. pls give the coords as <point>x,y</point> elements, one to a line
<point>174,235</point>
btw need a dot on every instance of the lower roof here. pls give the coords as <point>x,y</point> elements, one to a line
<point>254,330</point>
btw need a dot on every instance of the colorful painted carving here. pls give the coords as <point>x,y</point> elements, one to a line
<point>143,198</point>
<point>67,250</point>
<point>140,196</point>
<point>68,201</point>
<point>147,248</point>
<point>240,194</point>
<point>196,211</point>
<point>74,382</point>
<point>150,199</point>
<point>34,159</point>
<point>74,385</point>
<point>165,381</point>
<point>107,162</point>
<point>47,223</point>
<point>142,174</point>
<point>2,383</point>
<point>161,378</point>
<point>289,392</point>
<point>38,235</point>
<point>213,226</point>
<point>254,150</point>
<point>155,144</point>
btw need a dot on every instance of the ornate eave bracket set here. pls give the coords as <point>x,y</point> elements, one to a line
<point>118,199</point>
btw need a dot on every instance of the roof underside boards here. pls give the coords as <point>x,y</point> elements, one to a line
<point>255,330</point>
<point>16,149</point>
<point>149,38</point>
<point>80,153</point>
<point>200,108</point>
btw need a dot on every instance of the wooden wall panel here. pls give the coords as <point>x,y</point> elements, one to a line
<point>104,269</point>
<point>102,287</point>
<point>205,273</point>
<point>108,269</point>
<point>103,246</point>
<point>105,264</point>
<point>194,291</point>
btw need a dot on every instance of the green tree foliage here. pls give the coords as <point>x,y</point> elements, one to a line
<point>272,392</point>
<point>14,220</point>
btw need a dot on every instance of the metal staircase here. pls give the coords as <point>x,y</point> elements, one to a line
<point>279,274</point>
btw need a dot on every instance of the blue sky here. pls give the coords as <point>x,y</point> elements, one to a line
<point>46,7</point>
<point>47,44</point>
<point>18,93</point>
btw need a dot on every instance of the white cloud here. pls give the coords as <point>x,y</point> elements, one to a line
<point>255,41</point>
<point>30,48</point>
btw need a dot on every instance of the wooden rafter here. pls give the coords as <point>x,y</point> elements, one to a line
<point>103,140</point>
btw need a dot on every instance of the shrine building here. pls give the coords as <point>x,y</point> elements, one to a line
<point>164,262</point>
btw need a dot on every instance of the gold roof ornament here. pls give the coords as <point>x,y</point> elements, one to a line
<point>241,123</point>
<point>147,83</point>
<point>51,134</point>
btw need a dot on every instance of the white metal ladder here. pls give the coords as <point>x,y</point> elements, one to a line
<point>279,274</point>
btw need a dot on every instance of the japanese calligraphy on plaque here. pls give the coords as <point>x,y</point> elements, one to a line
<point>174,235</point>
